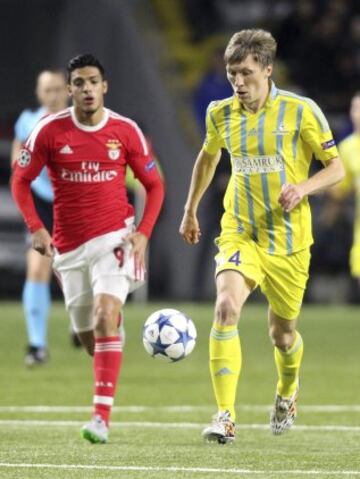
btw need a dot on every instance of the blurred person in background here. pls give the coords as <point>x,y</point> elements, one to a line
<point>213,85</point>
<point>349,150</point>
<point>265,238</point>
<point>52,96</point>
<point>97,248</point>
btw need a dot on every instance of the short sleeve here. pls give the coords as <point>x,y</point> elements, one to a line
<point>316,133</point>
<point>213,141</point>
<point>139,157</point>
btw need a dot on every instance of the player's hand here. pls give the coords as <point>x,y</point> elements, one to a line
<point>189,228</point>
<point>139,243</point>
<point>42,243</point>
<point>290,196</point>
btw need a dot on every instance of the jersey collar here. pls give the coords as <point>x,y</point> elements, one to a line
<point>88,127</point>
<point>236,104</point>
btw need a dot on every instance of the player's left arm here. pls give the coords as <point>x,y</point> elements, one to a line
<point>316,133</point>
<point>146,171</point>
<point>292,194</point>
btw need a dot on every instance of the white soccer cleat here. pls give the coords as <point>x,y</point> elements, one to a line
<point>95,431</point>
<point>283,414</point>
<point>221,430</point>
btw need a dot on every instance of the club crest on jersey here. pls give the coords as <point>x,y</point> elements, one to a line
<point>114,147</point>
<point>280,130</point>
<point>24,158</point>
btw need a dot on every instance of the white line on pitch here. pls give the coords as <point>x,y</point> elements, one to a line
<point>171,425</point>
<point>181,469</point>
<point>326,408</point>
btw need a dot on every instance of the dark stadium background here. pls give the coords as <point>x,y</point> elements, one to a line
<point>156,52</point>
<point>162,59</point>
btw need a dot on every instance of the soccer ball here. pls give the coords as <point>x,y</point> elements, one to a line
<point>169,335</point>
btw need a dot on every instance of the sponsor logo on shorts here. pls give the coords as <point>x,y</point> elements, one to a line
<point>250,165</point>
<point>328,144</point>
<point>24,158</point>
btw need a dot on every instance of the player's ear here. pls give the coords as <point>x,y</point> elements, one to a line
<point>69,90</point>
<point>269,70</point>
<point>105,86</point>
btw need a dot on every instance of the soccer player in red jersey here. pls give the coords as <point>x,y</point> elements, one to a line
<point>98,253</point>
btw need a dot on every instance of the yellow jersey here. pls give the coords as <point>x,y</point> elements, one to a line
<point>268,149</point>
<point>349,150</point>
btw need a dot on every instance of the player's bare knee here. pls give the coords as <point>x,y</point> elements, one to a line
<point>105,319</point>
<point>280,338</point>
<point>227,310</point>
<point>102,318</point>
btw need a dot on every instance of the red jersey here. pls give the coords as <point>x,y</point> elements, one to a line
<point>87,168</point>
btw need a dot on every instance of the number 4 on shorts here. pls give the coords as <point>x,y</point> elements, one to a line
<point>235,258</point>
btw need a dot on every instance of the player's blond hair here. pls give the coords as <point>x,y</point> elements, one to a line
<point>257,42</point>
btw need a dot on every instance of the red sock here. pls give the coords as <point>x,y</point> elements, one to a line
<point>107,363</point>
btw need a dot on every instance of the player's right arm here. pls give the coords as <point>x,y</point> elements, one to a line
<point>29,163</point>
<point>203,173</point>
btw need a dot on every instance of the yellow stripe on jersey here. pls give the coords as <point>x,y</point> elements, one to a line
<point>268,149</point>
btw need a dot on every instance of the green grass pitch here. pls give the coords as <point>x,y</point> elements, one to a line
<point>161,408</point>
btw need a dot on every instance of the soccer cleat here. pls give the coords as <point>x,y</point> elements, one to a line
<point>95,431</point>
<point>35,356</point>
<point>221,430</point>
<point>283,414</point>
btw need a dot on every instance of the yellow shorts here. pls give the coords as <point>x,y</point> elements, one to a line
<point>282,279</point>
<point>355,260</point>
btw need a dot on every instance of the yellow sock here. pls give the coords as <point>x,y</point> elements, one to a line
<point>225,365</point>
<point>288,367</point>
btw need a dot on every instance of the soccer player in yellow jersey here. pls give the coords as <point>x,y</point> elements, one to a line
<point>349,150</point>
<point>265,238</point>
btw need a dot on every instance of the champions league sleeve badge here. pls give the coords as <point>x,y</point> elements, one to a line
<point>24,158</point>
<point>114,149</point>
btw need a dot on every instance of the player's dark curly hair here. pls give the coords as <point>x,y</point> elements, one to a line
<point>84,60</point>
